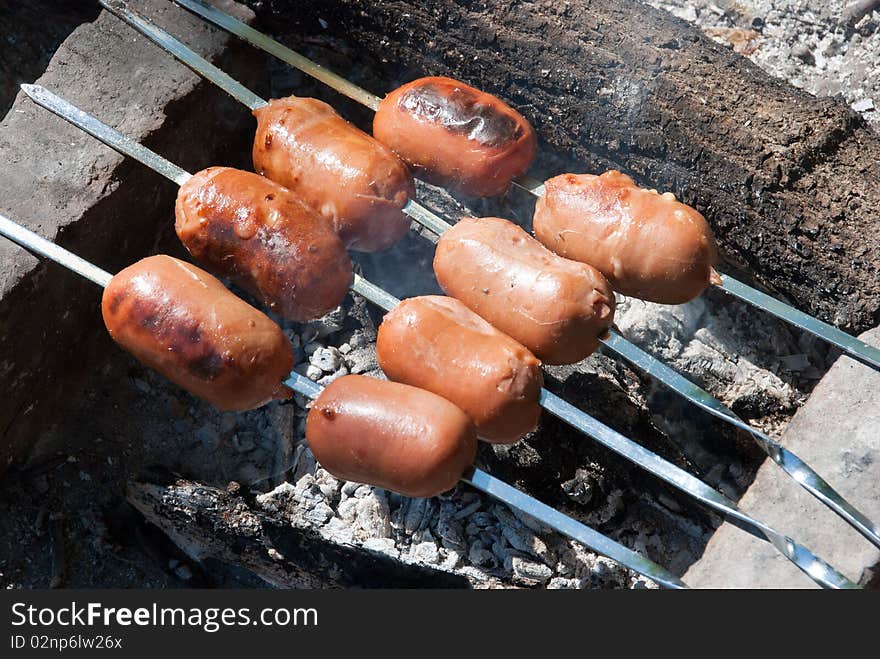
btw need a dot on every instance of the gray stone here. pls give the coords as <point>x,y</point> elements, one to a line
<point>332,377</point>
<point>562,583</point>
<point>836,433</point>
<point>311,348</point>
<point>319,514</point>
<point>71,189</point>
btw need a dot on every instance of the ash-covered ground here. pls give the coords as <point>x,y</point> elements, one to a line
<point>826,48</point>
<point>64,516</point>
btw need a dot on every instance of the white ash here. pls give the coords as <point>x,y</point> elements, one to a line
<point>809,43</point>
<point>461,532</point>
<point>749,361</point>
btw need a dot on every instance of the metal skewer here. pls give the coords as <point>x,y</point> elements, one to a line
<point>477,478</point>
<point>816,568</point>
<point>855,348</point>
<point>38,245</point>
<point>793,466</point>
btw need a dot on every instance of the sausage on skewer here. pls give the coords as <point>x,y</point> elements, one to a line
<point>354,181</point>
<point>261,236</point>
<point>556,308</point>
<point>648,245</point>
<point>391,435</point>
<point>182,322</point>
<point>437,343</point>
<point>455,135</point>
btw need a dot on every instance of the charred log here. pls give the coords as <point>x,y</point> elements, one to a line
<point>211,523</point>
<point>788,181</point>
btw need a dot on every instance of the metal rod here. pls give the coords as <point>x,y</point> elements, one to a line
<point>796,468</point>
<point>816,568</point>
<point>855,348</point>
<point>109,136</point>
<point>852,346</point>
<point>197,63</point>
<point>569,527</point>
<point>530,185</point>
<point>36,244</point>
<point>427,218</point>
<point>233,25</point>
<point>378,296</point>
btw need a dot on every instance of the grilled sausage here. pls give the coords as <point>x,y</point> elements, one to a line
<point>391,435</point>
<point>182,322</point>
<point>437,343</point>
<point>351,179</point>
<point>556,308</point>
<point>260,235</point>
<point>456,136</point>
<point>648,245</point>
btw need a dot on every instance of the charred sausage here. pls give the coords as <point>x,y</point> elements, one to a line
<point>647,244</point>
<point>243,226</point>
<point>556,308</point>
<point>353,180</point>
<point>456,136</point>
<point>391,435</point>
<point>182,322</point>
<point>437,343</point>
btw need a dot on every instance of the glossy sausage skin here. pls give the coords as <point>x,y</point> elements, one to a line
<point>243,226</point>
<point>556,308</point>
<point>437,343</point>
<point>353,180</point>
<point>182,322</point>
<point>648,245</point>
<point>390,435</point>
<point>456,136</point>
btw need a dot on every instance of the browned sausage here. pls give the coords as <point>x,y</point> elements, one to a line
<point>456,136</point>
<point>391,435</point>
<point>556,308</point>
<point>182,322</point>
<point>353,180</point>
<point>437,343</point>
<point>648,245</point>
<point>243,226</point>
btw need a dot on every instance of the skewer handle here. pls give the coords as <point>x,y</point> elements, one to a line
<point>796,468</point>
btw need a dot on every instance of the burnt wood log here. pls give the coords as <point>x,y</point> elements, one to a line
<point>789,182</point>
<point>208,522</point>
